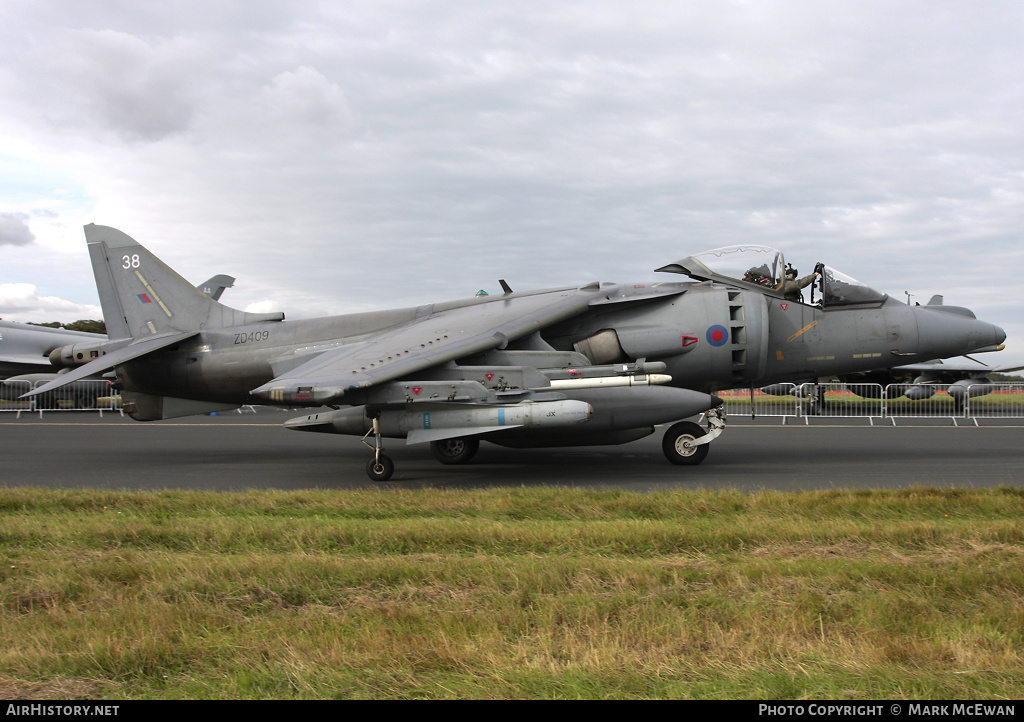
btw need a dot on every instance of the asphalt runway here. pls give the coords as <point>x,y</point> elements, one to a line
<point>252,451</point>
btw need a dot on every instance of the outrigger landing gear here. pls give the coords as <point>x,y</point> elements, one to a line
<point>686,443</point>
<point>380,467</point>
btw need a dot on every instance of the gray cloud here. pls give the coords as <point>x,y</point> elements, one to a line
<point>106,81</point>
<point>305,96</point>
<point>336,157</point>
<point>14,231</point>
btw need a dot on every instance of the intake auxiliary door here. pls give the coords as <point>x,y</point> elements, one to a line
<point>748,334</point>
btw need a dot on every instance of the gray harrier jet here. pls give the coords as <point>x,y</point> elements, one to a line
<point>29,353</point>
<point>596,364</point>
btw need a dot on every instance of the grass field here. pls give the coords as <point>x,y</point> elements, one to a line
<point>539,593</point>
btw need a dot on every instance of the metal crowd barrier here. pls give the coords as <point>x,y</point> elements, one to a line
<point>787,401</point>
<point>874,401</point>
<point>85,395</point>
<point>1004,401</point>
<point>9,393</point>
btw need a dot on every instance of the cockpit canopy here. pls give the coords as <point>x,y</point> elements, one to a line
<point>765,267</point>
<point>755,264</point>
<point>838,289</point>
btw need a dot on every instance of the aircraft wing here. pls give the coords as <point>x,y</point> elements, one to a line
<point>439,337</point>
<point>957,366</point>
<point>27,359</point>
<point>112,359</point>
<point>24,347</point>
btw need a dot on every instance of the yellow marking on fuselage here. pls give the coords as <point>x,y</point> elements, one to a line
<point>153,294</point>
<point>808,327</point>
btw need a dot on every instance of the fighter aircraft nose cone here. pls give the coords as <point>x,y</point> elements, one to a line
<point>982,335</point>
<point>990,336</point>
<point>944,333</point>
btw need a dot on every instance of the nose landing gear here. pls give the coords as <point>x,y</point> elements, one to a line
<point>686,443</point>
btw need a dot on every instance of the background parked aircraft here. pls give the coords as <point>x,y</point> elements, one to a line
<point>25,348</point>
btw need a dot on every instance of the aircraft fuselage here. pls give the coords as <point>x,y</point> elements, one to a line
<point>710,337</point>
<point>599,364</point>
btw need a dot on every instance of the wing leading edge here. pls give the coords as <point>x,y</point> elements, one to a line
<point>435,339</point>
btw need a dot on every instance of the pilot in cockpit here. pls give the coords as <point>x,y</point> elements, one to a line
<point>791,287</point>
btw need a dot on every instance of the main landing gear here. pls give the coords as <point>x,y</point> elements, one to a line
<point>684,444</point>
<point>455,451</point>
<point>447,451</point>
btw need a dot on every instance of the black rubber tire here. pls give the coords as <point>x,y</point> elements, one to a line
<point>676,452</point>
<point>455,451</point>
<point>380,469</point>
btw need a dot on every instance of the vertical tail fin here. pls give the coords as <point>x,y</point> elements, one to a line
<point>142,296</point>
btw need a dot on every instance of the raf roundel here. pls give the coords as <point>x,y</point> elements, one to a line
<point>718,335</point>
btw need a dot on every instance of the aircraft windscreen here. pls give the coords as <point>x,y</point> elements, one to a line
<point>754,264</point>
<point>840,289</point>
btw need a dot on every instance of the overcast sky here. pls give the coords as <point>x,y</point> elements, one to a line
<point>345,156</point>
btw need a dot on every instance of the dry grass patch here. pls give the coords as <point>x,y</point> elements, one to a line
<point>61,688</point>
<point>510,594</point>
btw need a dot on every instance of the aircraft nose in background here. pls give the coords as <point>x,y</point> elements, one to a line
<point>947,332</point>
